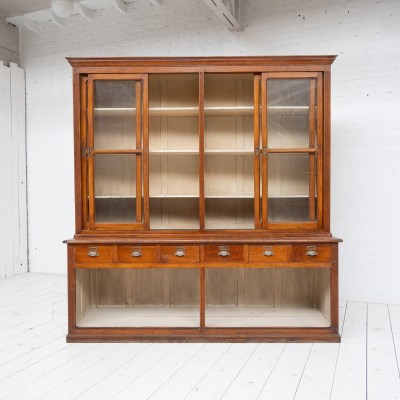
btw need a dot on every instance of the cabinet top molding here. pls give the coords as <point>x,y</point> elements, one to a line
<point>201,61</point>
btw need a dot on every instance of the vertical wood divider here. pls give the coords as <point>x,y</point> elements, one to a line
<point>90,158</point>
<point>71,291</point>
<point>334,290</point>
<point>257,79</point>
<point>82,218</point>
<point>138,90</point>
<point>146,200</point>
<point>264,158</point>
<point>323,160</point>
<point>202,202</point>
<point>202,290</point>
<point>311,123</point>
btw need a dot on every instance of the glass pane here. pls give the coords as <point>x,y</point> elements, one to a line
<point>115,188</point>
<point>291,113</point>
<point>229,151</point>
<point>138,297</point>
<point>174,151</point>
<point>114,115</point>
<point>292,187</point>
<point>247,297</point>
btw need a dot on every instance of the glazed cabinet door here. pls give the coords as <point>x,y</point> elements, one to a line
<point>115,154</point>
<point>291,160</point>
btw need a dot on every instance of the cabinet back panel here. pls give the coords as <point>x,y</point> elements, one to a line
<point>113,287</point>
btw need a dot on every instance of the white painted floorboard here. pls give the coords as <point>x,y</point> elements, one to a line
<point>37,363</point>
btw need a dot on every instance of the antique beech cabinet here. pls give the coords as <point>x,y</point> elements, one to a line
<point>202,200</point>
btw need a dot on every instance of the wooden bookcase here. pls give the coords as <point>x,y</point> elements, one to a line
<point>202,200</point>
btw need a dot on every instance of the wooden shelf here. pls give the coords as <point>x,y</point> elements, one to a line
<point>229,152</point>
<point>176,152</point>
<point>194,111</point>
<point>174,196</point>
<point>236,196</point>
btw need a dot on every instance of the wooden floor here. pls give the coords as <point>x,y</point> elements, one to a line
<point>37,363</point>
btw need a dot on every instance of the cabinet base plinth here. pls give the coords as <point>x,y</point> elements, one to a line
<point>270,337</point>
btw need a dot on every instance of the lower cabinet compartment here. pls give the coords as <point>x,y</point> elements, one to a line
<point>137,297</point>
<point>240,297</point>
<point>267,297</point>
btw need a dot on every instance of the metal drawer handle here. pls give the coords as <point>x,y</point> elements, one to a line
<point>268,252</point>
<point>311,251</point>
<point>180,252</point>
<point>136,252</point>
<point>93,252</point>
<point>224,251</point>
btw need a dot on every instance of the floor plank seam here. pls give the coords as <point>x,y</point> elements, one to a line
<point>212,366</point>
<point>338,352</point>
<point>270,373</point>
<point>302,372</point>
<point>241,369</point>
<point>171,376</point>
<point>112,372</point>
<point>366,357</point>
<point>394,343</point>
<point>147,369</point>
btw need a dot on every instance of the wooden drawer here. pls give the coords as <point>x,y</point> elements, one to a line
<point>311,253</point>
<point>223,254</point>
<point>93,254</point>
<point>136,254</point>
<point>268,253</point>
<point>180,254</point>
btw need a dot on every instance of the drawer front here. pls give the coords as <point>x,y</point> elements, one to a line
<point>93,254</point>
<point>268,253</point>
<point>223,254</point>
<point>136,254</point>
<point>311,253</point>
<point>180,254</point>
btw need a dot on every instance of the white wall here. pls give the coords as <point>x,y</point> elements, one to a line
<point>365,113</point>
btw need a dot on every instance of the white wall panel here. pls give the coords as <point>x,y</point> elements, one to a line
<point>13,218</point>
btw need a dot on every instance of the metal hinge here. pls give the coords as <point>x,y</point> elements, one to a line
<point>87,151</point>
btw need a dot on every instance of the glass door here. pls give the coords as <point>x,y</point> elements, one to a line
<point>115,152</point>
<point>291,150</point>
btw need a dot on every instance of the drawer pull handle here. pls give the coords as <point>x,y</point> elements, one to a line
<point>268,252</point>
<point>136,253</point>
<point>93,252</point>
<point>311,253</point>
<point>224,251</point>
<point>180,252</point>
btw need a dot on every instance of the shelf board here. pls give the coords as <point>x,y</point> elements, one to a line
<point>115,197</point>
<point>228,152</point>
<point>188,316</point>
<point>174,196</point>
<point>235,110</point>
<point>289,111</point>
<point>230,196</point>
<point>194,111</point>
<point>176,152</point>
